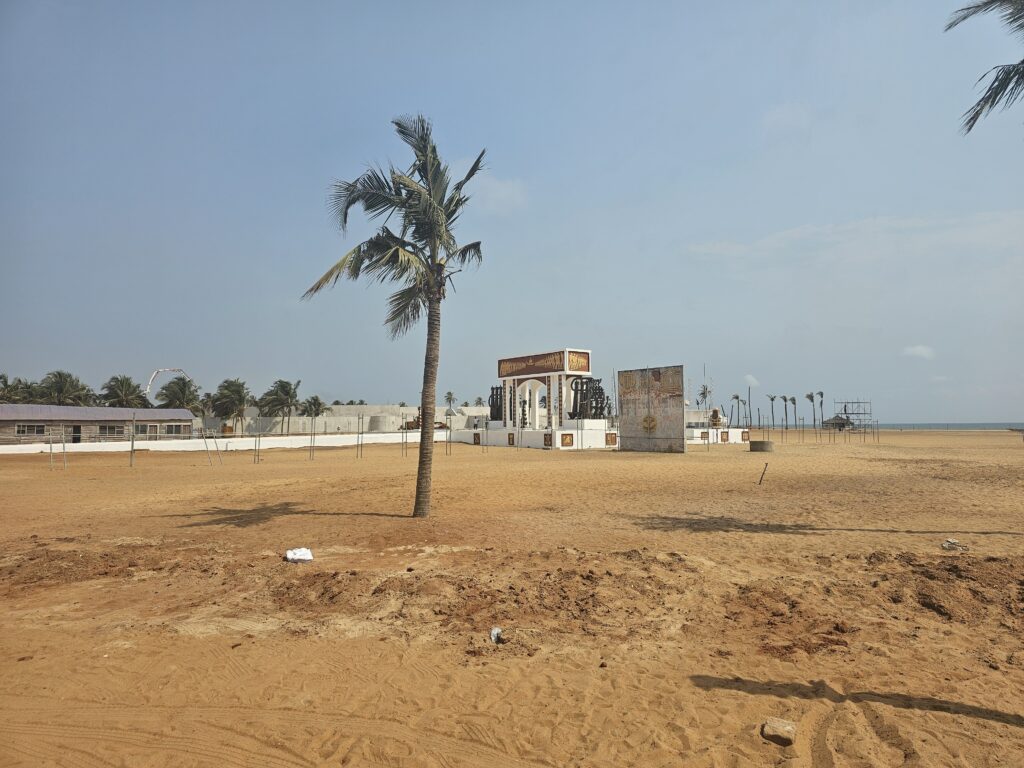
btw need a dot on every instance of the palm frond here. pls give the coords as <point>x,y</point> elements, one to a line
<point>1011,12</point>
<point>1006,87</point>
<point>404,309</point>
<point>470,253</point>
<point>374,191</point>
<point>474,169</point>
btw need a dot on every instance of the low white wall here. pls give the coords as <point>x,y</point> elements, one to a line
<point>585,439</point>
<point>225,443</point>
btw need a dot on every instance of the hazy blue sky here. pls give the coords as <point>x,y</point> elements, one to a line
<point>776,190</point>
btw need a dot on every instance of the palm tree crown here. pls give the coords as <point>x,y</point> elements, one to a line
<point>313,407</point>
<point>420,254</point>
<point>63,388</point>
<point>231,399</point>
<point>180,392</point>
<point>123,392</point>
<point>1007,83</point>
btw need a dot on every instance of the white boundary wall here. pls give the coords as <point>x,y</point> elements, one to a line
<point>225,443</point>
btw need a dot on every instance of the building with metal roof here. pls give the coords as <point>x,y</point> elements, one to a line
<point>25,423</point>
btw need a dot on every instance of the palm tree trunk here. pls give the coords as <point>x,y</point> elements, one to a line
<point>428,399</point>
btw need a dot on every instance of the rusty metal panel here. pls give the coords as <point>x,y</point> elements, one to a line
<point>652,409</point>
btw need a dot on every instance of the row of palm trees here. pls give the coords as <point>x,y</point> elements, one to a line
<point>228,402</point>
<point>450,399</point>
<point>790,400</point>
<point>743,407</point>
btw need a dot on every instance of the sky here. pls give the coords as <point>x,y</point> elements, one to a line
<point>776,195</point>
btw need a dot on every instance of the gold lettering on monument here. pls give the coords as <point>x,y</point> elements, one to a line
<point>579,361</point>
<point>549,362</point>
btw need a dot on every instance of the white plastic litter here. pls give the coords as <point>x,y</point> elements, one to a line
<point>952,545</point>
<point>299,555</point>
<point>496,637</point>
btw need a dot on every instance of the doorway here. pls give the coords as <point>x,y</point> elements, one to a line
<point>76,433</point>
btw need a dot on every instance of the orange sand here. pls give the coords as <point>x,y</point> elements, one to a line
<point>658,608</point>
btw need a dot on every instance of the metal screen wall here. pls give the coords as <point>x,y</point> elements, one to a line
<point>652,410</point>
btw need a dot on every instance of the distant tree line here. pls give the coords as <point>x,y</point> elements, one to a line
<point>227,402</point>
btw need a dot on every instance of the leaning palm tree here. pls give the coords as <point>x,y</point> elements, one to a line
<point>821,407</point>
<point>231,399</point>
<point>63,388</point>
<point>785,411</point>
<point>422,256</point>
<point>814,417</point>
<point>796,421</point>
<point>1007,83</point>
<point>736,398</point>
<point>180,392</point>
<point>123,392</point>
<point>772,399</point>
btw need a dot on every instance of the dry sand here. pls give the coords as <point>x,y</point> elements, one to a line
<point>658,608</point>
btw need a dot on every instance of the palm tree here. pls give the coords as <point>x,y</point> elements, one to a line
<point>796,422</point>
<point>313,407</point>
<point>704,395</point>
<point>772,398</point>
<point>1007,83</point>
<point>821,407</point>
<point>336,402</point>
<point>814,420</point>
<point>422,256</point>
<point>280,400</point>
<point>479,402</point>
<point>231,399</point>
<point>205,407</point>
<point>123,392</point>
<point>737,399</point>
<point>785,411</point>
<point>180,392</point>
<point>63,388</point>
<point>402,404</point>
<point>449,398</point>
<point>743,411</point>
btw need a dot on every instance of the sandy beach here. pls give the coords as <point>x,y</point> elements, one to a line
<point>657,608</point>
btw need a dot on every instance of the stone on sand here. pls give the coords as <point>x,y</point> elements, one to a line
<point>780,731</point>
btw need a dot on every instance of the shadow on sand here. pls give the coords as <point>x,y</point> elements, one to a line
<point>248,516</point>
<point>725,524</point>
<point>819,689</point>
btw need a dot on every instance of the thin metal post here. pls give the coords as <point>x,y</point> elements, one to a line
<point>63,446</point>
<point>51,450</point>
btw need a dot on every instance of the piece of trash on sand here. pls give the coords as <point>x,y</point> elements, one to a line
<point>952,545</point>
<point>299,555</point>
<point>779,731</point>
<point>496,636</point>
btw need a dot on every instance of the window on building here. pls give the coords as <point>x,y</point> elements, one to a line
<point>111,430</point>
<point>145,429</point>
<point>178,429</point>
<point>30,429</point>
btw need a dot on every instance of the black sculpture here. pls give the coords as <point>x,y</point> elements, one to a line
<point>494,401</point>
<point>589,400</point>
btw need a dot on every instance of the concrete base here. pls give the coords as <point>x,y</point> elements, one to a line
<point>762,446</point>
<point>594,436</point>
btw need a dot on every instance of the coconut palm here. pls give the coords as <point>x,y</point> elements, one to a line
<point>1007,83</point>
<point>231,399</point>
<point>704,395</point>
<point>772,399</point>
<point>280,400</point>
<point>814,420</point>
<point>123,392</point>
<point>785,411</point>
<point>422,256</point>
<point>180,392</point>
<point>737,399</point>
<point>63,388</point>
<point>313,407</point>
<point>449,398</point>
<point>796,421</point>
<point>205,406</point>
<point>821,407</point>
<point>479,402</point>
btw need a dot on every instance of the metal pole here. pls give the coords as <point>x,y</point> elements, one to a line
<point>51,450</point>
<point>63,446</point>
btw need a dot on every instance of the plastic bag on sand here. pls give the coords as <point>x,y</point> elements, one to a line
<point>299,555</point>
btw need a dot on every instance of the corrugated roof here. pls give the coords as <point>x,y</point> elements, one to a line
<point>19,412</point>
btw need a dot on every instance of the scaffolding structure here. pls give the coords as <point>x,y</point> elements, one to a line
<point>857,414</point>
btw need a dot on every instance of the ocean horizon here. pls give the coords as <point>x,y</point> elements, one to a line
<point>954,425</point>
